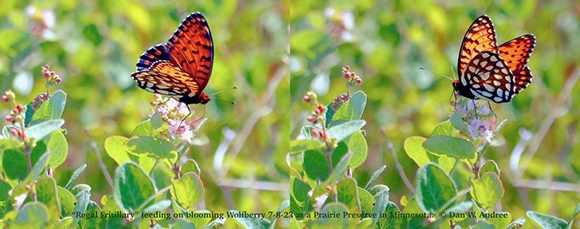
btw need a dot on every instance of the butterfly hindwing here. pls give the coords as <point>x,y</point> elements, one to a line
<point>166,79</point>
<point>480,37</point>
<point>488,77</point>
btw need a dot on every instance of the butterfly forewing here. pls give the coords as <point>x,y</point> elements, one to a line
<point>192,48</point>
<point>479,37</point>
<point>488,77</point>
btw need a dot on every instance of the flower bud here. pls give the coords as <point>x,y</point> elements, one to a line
<point>5,98</point>
<point>306,99</point>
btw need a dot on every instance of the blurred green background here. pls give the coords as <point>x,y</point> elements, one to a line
<point>94,46</point>
<point>386,42</point>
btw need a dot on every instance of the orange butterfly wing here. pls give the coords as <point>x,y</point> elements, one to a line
<point>516,53</point>
<point>165,78</point>
<point>480,37</point>
<point>191,48</point>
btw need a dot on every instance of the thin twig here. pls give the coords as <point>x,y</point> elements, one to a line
<point>549,185</point>
<point>561,107</point>
<point>398,164</point>
<point>102,165</point>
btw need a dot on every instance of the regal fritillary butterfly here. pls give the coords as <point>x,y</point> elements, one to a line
<point>489,72</point>
<point>180,68</point>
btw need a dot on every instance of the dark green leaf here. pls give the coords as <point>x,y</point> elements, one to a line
<point>433,188</point>
<point>132,187</point>
<point>458,123</point>
<point>14,163</point>
<point>316,165</point>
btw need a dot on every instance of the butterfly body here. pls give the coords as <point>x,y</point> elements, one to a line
<point>489,72</point>
<point>180,68</point>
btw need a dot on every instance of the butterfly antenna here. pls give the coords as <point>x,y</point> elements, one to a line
<point>422,68</point>
<point>453,73</point>
<point>224,90</point>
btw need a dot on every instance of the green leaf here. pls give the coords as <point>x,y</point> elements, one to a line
<point>58,146</point>
<point>342,131</point>
<point>115,148</point>
<point>249,222</point>
<point>156,120</point>
<point>351,109</point>
<point>546,221</point>
<point>74,176</point>
<point>489,167</point>
<point>576,212</point>
<point>381,195</point>
<point>51,109</point>
<point>92,222</point>
<point>144,128</point>
<point>433,188</point>
<point>391,222</point>
<point>190,166</point>
<point>299,146</point>
<point>300,191</point>
<point>458,123</point>
<point>46,193</point>
<point>4,197</point>
<point>451,146</point>
<point>358,145</point>
<point>444,128</point>
<point>82,202</point>
<point>187,190</point>
<point>500,222</point>
<point>38,167</point>
<point>155,148</point>
<point>39,150</point>
<point>346,193</point>
<point>158,207</point>
<point>367,201</point>
<point>487,190</point>
<point>14,163</point>
<point>34,215</point>
<point>316,165</point>
<point>414,149</point>
<point>132,187</point>
<point>518,223</point>
<point>374,177</point>
<point>67,201</point>
<point>6,144</point>
<point>340,168</point>
<point>338,153</point>
<point>43,129</point>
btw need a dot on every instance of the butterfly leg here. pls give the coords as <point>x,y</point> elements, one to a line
<point>491,109</point>
<point>187,116</point>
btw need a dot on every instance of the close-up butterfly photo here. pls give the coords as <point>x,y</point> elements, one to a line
<point>289,114</point>
<point>144,114</point>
